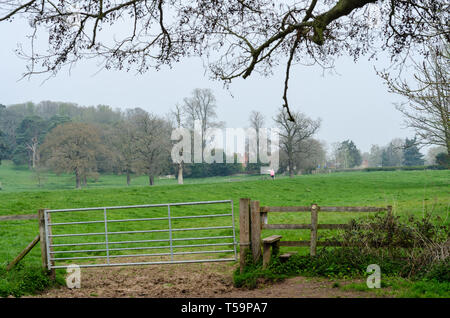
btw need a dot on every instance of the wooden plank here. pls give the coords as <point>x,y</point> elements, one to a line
<point>314,222</point>
<point>295,243</point>
<point>255,230</point>
<point>351,209</point>
<point>329,243</point>
<point>244,230</point>
<point>307,243</point>
<point>303,226</point>
<point>286,226</point>
<point>332,226</point>
<point>266,209</point>
<point>23,253</point>
<point>287,255</point>
<point>18,217</point>
<point>271,239</point>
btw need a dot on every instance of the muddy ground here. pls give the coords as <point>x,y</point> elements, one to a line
<point>207,280</point>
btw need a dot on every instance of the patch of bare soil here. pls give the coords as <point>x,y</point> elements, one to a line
<point>208,280</point>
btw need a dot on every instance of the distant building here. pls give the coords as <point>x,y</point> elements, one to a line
<point>365,164</point>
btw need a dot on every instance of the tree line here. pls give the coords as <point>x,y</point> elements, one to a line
<point>89,141</point>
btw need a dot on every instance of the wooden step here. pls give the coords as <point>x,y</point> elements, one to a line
<point>271,239</point>
<point>286,256</point>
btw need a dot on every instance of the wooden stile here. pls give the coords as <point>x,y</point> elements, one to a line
<point>259,221</point>
<point>271,242</point>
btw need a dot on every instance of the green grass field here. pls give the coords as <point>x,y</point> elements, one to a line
<point>409,192</point>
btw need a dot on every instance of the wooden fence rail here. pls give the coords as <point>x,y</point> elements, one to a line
<point>18,217</point>
<point>254,219</point>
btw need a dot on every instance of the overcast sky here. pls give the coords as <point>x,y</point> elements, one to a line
<point>353,105</point>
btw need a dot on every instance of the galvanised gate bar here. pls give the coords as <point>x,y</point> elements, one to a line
<point>167,232</point>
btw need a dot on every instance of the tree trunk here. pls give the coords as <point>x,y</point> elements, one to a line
<point>151,180</point>
<point>84,180</point>
<point>77,179</point>
<point>180,173</point>
<point>291,168</point>
<point>128,178</point>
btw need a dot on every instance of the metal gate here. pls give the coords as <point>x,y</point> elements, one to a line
<point>179,232</point>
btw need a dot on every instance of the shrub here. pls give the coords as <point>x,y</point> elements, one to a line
<point>24,279</point>
<point>416,248</point>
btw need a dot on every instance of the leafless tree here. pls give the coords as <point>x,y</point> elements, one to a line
<point>427,109</point>
<point>177,114</point>
<point>293,134</point>
<point>238,37</point>
<point>311,156</point>
<point>122,140</point>
<point>201,107</point>
<point>73,148</point>
<point>256,122</point>
<point>152,144</point>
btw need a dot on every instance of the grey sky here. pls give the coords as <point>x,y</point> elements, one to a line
<point>353,105</point>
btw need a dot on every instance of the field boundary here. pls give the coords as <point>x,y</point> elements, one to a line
<point>18,217</point>
<point>253,219</point>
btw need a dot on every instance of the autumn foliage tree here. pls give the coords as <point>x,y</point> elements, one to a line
<point>73,148</point>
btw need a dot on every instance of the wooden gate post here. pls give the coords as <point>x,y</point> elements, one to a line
<point>42,239</point>
<point>314,222</point>
<point>44,242</point>
<point>244,230</point>
<point>255,217</point>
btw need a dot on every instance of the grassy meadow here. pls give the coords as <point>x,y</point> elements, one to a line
<point>409,192</point>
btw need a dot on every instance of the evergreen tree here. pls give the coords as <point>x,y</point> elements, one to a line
<point>349,155</point>
<point>443,159</point>
<point>411,154</point>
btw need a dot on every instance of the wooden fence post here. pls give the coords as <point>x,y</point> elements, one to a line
<point>244,230</point>
<point>44,243</point>
<point>255,229</point>
<point>314,222</point>
<point>264,217</point>
<point>42,239</point>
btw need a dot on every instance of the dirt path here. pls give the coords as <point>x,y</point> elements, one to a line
<point>191,280</point>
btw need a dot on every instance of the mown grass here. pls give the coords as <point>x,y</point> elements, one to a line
<point>20,178</point>
<point>409,192</point>
<point>403,288</point>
